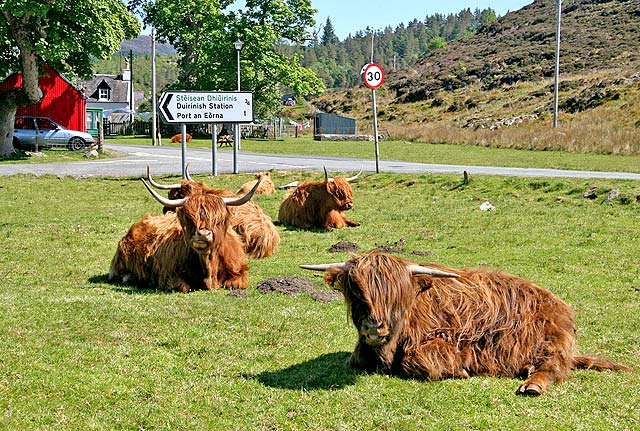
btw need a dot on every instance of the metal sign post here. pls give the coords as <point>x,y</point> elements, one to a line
<point>184,151</point>
<point>373,77</point>
<point>214,149</point>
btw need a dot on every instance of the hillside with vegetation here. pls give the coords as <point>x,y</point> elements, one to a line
<point>495,88</point>
<point>338,63</point>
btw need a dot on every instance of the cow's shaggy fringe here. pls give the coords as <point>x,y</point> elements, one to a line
<point>318,204</point>
<point>257,232</point>
<point>482,323</point>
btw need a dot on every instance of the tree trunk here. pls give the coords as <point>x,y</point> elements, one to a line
<point>29,94</point>
<point>8,106</point>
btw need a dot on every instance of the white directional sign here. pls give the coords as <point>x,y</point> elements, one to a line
<point>206,107</point>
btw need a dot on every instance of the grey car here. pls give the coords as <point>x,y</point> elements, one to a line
<point>43,132</point>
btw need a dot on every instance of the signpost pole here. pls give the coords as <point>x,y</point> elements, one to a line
<point>214,149</point>
<point>373,77</point>
<point>236,143</point>
<point>375,129</point>
<point>184,151</point>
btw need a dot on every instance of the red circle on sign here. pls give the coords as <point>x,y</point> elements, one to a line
<point>373,76</point>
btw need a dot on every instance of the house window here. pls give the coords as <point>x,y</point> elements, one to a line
<point>103,94</point>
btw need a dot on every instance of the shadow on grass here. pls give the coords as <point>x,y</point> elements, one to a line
<point>290,228</point>
<point>322,373</point>
<point>14,157</point>
<point>125,288</point>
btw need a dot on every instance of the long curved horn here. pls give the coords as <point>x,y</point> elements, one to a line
<point>158,185</point>
<point>355,177</point>
<point>239,201</point>
<point>325,266</point>
<point>171,203</point>
<point>326,175</point>
<point>417,269</point>
<point>186,172</point>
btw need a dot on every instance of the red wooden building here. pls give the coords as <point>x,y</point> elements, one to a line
<point>61,100</point>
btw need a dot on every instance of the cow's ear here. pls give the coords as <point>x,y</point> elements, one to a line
<point>422,282</point>
<point>334,277</point>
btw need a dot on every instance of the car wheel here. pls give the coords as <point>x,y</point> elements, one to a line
<point>76,144</point>
<point>16,143</point>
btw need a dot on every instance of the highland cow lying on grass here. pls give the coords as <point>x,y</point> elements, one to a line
<point>257,232</point>
<point>192,248</point>
<point>432,322</point>
<point>266,185</point>
<point>319,204</point>
<point>178,138</point>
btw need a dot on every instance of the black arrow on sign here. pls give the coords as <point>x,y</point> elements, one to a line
<point>165,108</point>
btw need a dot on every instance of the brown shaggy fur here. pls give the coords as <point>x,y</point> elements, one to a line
<point>318,204</point>
<point>191,249</point>
<point>257,232</point>
<point>178,138</point>
<point>482,323</point>
<point>266,186</point>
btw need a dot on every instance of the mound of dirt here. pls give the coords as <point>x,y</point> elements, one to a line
<point>388,248</point>
<point>343,247</point>
<point>238,293</point>
<point>421,253</point>
<point>285,285</point>
<point>294,286</point>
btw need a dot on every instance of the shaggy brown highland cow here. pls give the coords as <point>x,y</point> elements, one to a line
<point>192,248</point>
<point>319,204</point>
<point>266,185</point>
<point>432,322</point>
<point>178,138</point>
<point>255,228</point>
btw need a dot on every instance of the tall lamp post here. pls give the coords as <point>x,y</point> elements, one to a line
<point>236,133</point>
<point>557,70</point>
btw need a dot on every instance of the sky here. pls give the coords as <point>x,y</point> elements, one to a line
<point>349,16</point>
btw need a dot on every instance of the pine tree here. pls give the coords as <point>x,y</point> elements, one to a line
<point>328,35</point>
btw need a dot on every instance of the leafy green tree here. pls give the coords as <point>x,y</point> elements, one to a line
<point>437,42</point>
<point>203,33</point>
<point>64,34</point>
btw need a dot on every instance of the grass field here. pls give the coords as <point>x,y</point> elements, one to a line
<point>77,353</point>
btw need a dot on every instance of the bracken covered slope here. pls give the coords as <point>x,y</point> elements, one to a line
<point>504,76</point>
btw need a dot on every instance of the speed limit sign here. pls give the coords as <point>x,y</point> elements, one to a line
<point>373,75</point>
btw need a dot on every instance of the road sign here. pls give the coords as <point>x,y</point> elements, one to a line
<point>373,75</point>
<point>206,107</point>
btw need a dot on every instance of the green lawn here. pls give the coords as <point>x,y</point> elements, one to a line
<point>77,353</point>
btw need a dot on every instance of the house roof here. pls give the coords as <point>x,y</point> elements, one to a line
<point>119,88</point>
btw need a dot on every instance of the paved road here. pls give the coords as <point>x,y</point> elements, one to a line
<point>168,160</point>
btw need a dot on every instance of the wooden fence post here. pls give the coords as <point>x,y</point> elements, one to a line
<point>100,137</point>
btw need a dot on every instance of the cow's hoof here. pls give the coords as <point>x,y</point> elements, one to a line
<point>529,389</point>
